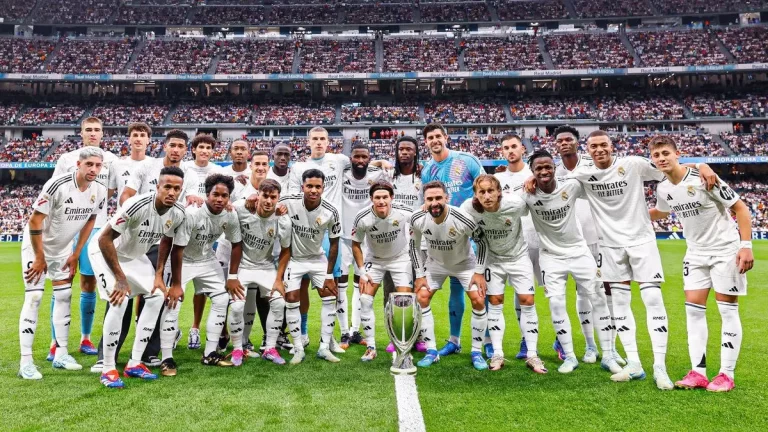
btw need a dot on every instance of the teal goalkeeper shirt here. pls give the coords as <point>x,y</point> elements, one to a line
<point>458,172</point>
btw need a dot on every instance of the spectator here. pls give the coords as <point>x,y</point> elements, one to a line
<point>25,150</point>
<point>73,11</point>
<point>331,55</point>
<point>326,14</point>
<point>587,50</point>
<point>211,113</point>
<point>471,111</point>
<point>9,113</point>
<point>420,55</point>
<point>454,12</point>
<point>737,105</point>
<point>142,15</point>
<point>378,14</point>
<point>51,114</point>
<point>755,144</point>
<point>638,107</point>
<point>92,56</point>
<point>178,56</point>
<point>255,56</point>
<point>747,44</point>
<point>380,114</point>
<point>518,52</point>
<point>610,8</point>
<point>671,7</point>
<point>676,48</point>
<point>15,10</point>
<point>116,114</point>
<point>25,55</point>
<point>287,113</point>
<point>511,10</point>
<point>211,15</point>
<point>16,206</point>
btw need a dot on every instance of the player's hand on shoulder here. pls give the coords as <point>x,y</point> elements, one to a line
<point>281,209</point>
<point>194,200</point>
<point>530,185</point>
<point>242,179</point>
<point>500,168</point>
<point>708,176</point>
<point>251,202</point>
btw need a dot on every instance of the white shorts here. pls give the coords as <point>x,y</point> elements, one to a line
<point>718,272</point>
<point>139,272</point>
<point>639,263</point>
<point>399,269</point>
<point>258,279</point>
<point>224,253</point>
<point>517,273</point>
<point>347,259</point>
<point>54,273</point>
<point>207,278</point>
<point>594,249</point>
<point>555,271</point>
<point>437,274</point>
<point>315,269</point>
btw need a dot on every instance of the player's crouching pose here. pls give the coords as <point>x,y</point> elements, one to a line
<point>68,205</point>
<point>564,251</point>
<point>383,227</point>
<point>447,230</point>
<point>507,261</point>
<point>123,270</point>
<point>194,244</point>
<point>311,217</point>
<point>252,261</point>
<point>718,256</point>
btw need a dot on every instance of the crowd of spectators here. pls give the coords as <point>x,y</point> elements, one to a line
<point>209,15</point>
<point>332,55</point>
<point>303,15</point>
<point>754,144</point>
<point>16,206</point>
<point>290,113</point>
<point>211,113</point>
<point>93,56</point>
<point>588,50</point>
<point>375,113</point>
<point>188,56</point>
<point>470,111</point>
<point>15,10</point>
<point>123,114</point>
<point>638,107</point>
<point>518,52</point>
<point>73,11</point>
<point>747,44</point>
<point>65,146</point>
<point>51,114</point>
<point>454,12</point>
<point>671,7</point>
<point>19,55</point>
<point>25,149</point>
<point>755,196</point>
<point>378,14</point>
<point>610,8</point>
<point>552,108</point>
<point>8,113</point>
<point>255,56</point>
<point>420,55</point>
<point>728,105</point>
<point>677,48</point>
<point>160,15</point>
<point>509,10</point>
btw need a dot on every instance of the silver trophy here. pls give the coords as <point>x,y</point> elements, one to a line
<point>403,325</point>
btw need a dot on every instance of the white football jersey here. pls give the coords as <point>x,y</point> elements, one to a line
<point>67,209</point>
<point>511,184</point>
<point>447,243</point>
<point>141,226</point>
<point>200,231</point>
<point>554,216</point>
<point>68,163</point>
<point>502,230</point>
<point>385,238</point>
<point>283,181</point>
<point>708,227</point>
<point>583,211</point>
<point>308,227</point>
<point>260,235</point>
<point>238,192</point>
<point>241,191</point>
<point>146,176</point>
<point>201,172</point>
<point>332,165</point>
<point>407,190</point>
<point>617,199</point>
<point>355,196</point>
<point>121,171</point>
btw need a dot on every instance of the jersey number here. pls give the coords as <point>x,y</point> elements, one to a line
<point>543,278</point>
<point>103,281</point>
<point>599,260</point>
<point>487,275</point>
<point>685,268</point>
<point>367,266</point>
<point>29,265</point>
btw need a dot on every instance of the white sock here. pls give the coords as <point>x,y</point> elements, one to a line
<point>479,323</point>
<point>215,323</point>
<point>144,327</point>
<point>496,326</point>
<point>625,321</point>
<point>249,312</point>
<point>518,312</point>
<point>698,334</point>
<point>609,300</point>
<point>293,322</point>
<point>62,315</point>
<point>428,328</point>
<point>368,320</point>
<point>529,321</point>
<point>730,338</point>
<point>586,318</point>
<point>327,320</point>
<point>356,309</point>
<point>561,323</point>
<point>170,323</point>
<point>28,323</point>
<point>657,321</point>
<point>602,319</point>
<point>113,323</point>
<point>275,319</point>
<point>235,323</point>
<point>341,306</point>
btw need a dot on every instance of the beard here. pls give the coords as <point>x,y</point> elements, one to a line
<point>436,210</point>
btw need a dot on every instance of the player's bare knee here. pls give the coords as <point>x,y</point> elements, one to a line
<point>724,298</point>
<point>526,300</point>
<point>496,299</point>
<point>34,298</point>
<point>292,297</point>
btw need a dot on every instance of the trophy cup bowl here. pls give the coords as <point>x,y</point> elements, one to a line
<point>403,318</point>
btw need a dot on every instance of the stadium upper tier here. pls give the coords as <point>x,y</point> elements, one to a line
<point>63,110</point>
<point>436,53</point>
<point>351,12</point>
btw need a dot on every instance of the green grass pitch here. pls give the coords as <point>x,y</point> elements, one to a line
<point>354,396</point>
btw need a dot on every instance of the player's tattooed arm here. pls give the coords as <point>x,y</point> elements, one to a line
<point>107,245</point>
<point>234,287</point>
<point>381,163</point>
<point>745,258</point>
<point>175,293</point>
<point>39,267</point>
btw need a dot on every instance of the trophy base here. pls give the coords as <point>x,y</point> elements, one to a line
<point>403,371</point>
<point>404,367</point>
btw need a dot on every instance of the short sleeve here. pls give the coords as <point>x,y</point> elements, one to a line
<point>120,220</point>
<point>334,228</point>
<point>575,188</point>
<point>232,232</point>
<point>474,166</point>
<point>723,193</point>
<point>184,232</point>
<point>137,178</point>
<point>44,202</point>
<point>345,162</point>
<point>661,204</point>
<point>191,183</point>
<point>284,230</point>
<point>646,169</point>
<point>359,229</point>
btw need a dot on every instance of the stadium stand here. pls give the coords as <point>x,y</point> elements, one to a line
<point>754,144</point>
<point>588,50</point>
<point>422,55</point>
<point>676,48</point>
<point>25,150</point>
<point>509,10</point>
<point>290,113</point>
<point>92,56</point>
<point>142,15</point>
<point>211,113</point>
<point>469,111</point>
<point>24,55</point>
<point>51,114</point>
<point>378,14</point>
<point>380,114</point>
<point>737,105</point>
<point>518,52</point>
<point>73,11</point>
<point>748,44</point>
<point>209,15</point>
<point>255,56</point>
<point>187,56</point>
<point>611,8</point>
<point>330,56</point>
<point>121,114</point>
<point>454,12</point>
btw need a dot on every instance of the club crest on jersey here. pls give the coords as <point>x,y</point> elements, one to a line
<point>167,224</point>
<point>599,273</point>
<point>621,171</point>
<point>93,199</point>
<point>691,191</point>
<point>508,222</point>
<point>452,232</point>
<point>395,222</point>
<point>318,221</point>
<point>417,185</point>
<point>271,232</point>
<point>370,182</point>
<point>224,226</point>
<point>564,196</point>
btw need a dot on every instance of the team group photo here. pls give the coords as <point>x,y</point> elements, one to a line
<point>257,214</point>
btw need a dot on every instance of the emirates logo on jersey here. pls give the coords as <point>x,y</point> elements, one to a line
<point>452,232</point>
<point>691,191</point>
<point>564,196</point>
<point>621,171</point>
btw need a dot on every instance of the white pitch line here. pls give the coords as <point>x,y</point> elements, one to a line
<point>408,407</point>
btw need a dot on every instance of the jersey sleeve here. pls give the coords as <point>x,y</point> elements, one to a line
<point>334,228</point>
<point>574,187</point>
<point>191,183</point>
<point>101,198</point>
<point>62,166</point>
<point>646,168</point>
<point>184,231</point>
<point>138,177</point>
<point>45,201</point>
<point>232,233</point>
<point>359,228</point>
<point>344,160</point>
<point>661,204</point>
<point>418,257</point>
<point>294,181</point>
<point>120,220</point>
<point>284,231</point>
<point>723,193</point>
